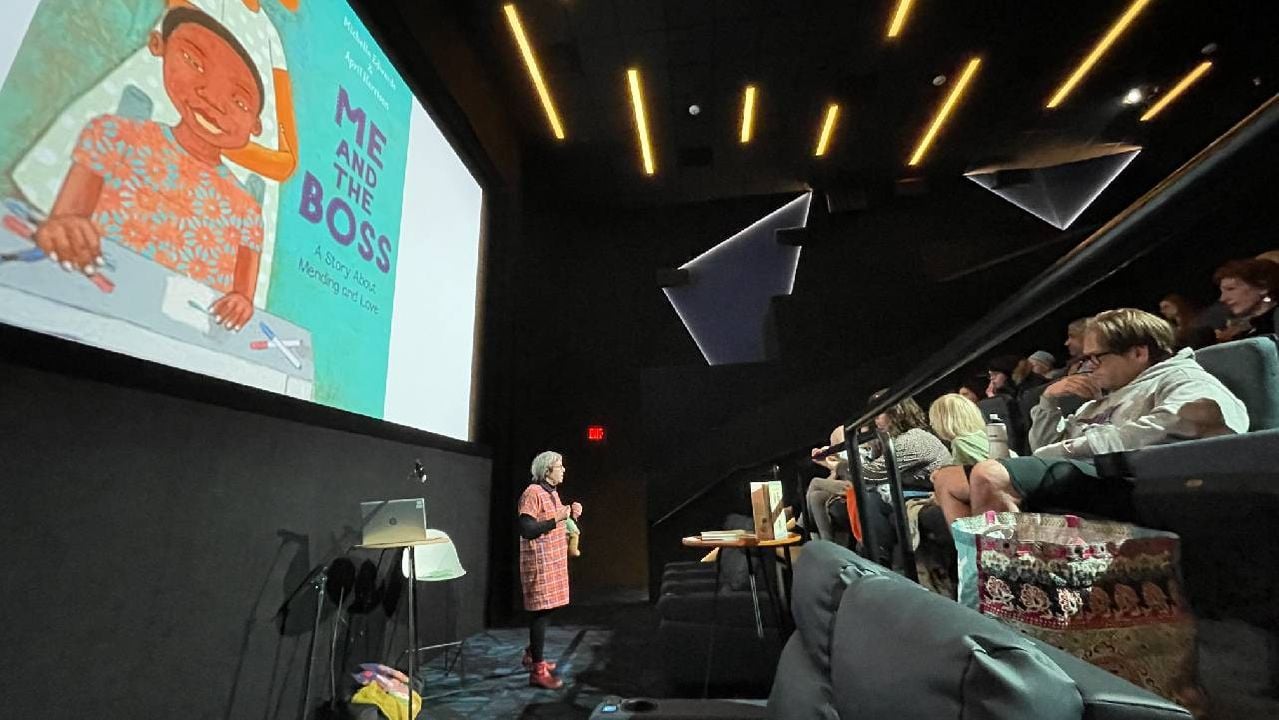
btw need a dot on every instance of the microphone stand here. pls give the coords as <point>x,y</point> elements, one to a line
<point>318,578</point>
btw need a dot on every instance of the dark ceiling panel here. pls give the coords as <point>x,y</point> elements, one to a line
<point>726,9</point>
<point>804,53</point>
<point>545,23</point>
<point>639,15</point>
<point>686,46</point>
<point>594,20</point>
<point>686,13</point>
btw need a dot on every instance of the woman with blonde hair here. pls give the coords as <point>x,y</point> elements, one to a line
<point>957,421</point>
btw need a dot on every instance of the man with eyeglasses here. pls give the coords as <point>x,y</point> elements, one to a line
<point>1138,393</point>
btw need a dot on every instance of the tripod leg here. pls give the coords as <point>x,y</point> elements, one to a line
<point>333,649</point>
<point>412,625</point>
<point>320,583</point>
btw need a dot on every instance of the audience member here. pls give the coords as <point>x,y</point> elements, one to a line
<point>822,489</point>
<point>1024,376</point>
<point>1183,314</point>
<point>974,387</point>
<point>918,453</point>
<point>1178,310</point>
<point>1075,345</point>
<point>1010,375</point>
<point>1140,393</point>
<point>1043,364</point>
<point>1000,371</point>
<point>958,422</point>
<point>1247,288</point>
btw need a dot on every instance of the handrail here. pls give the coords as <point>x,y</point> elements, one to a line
<point>714,484</point>
<point>1087,264</point>
<point>706,489</point>
<point>857,476</point>
<point>902,528</point>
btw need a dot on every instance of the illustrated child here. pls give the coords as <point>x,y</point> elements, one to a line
<point>162,191</point>
<point>271,156</point>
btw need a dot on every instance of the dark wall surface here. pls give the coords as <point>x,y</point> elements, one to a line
<point>152,539</point>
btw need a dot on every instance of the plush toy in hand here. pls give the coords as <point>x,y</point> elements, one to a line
<point>574,533</point>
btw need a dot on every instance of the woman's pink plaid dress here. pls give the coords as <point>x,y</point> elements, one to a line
<point>544,559</point>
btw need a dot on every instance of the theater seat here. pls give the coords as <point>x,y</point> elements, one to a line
<point>871,644</point>
<point>1250,368</point>
<point>689,611</point>
<point>1221,495</point>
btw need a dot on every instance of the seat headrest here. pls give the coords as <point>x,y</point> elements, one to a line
<point>900,651</point>
<point>1250,369</point>
<point>822,573</point>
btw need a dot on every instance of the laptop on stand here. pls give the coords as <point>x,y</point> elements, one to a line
<point>393,523</point>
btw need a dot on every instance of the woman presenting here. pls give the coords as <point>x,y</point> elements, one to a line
<point>543,559</point>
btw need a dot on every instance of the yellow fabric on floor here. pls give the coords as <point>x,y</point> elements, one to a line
<point>392,707</point>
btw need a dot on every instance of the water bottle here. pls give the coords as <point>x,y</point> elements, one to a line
<point>997,437</point>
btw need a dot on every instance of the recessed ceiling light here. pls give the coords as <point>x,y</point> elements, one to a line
<point>1185,82</point>
<point>1098,50</point>
<point>641,120</point>
<point>945,110</point>
<point>1209,49</point>
<point>828,127</point>
<point>694,110</point>
<point>939,80</point>
<point>534,72</point>
<point>1133,96</point>
<point>748,114</point>
<point>899,18</point>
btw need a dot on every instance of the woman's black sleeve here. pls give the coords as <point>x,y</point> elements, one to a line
<point>531,529</point>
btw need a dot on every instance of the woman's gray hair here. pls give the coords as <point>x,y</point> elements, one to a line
<point>543,462</point>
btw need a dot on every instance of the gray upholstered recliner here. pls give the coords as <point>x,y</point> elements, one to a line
<point>871,645</point>
<point>1220,494</point>
<point>1250,369</point>
<point>689,611</point>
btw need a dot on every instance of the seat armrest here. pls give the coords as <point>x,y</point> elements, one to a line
<point>733,608</point>
<point>687,587</point>
<point>1248,453</point>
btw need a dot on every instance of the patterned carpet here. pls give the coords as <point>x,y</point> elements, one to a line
<point>602,650</point>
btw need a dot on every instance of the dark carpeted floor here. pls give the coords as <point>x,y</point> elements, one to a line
<point>609,650</point>
<point>602,650</point>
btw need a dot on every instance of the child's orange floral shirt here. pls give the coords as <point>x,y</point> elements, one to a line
<point>163,203</point>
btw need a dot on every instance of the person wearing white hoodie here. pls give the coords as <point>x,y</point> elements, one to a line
<point>1139,393</point>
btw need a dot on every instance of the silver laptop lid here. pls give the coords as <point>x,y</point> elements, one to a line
<point>393,522</point>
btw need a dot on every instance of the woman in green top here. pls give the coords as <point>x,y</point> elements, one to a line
<point>957,421</point>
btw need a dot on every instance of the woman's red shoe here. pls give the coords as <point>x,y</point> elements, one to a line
<point>540,676</point>
<point>527,661</point>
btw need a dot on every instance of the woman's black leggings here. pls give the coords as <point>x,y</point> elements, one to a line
<point>537,633</point>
